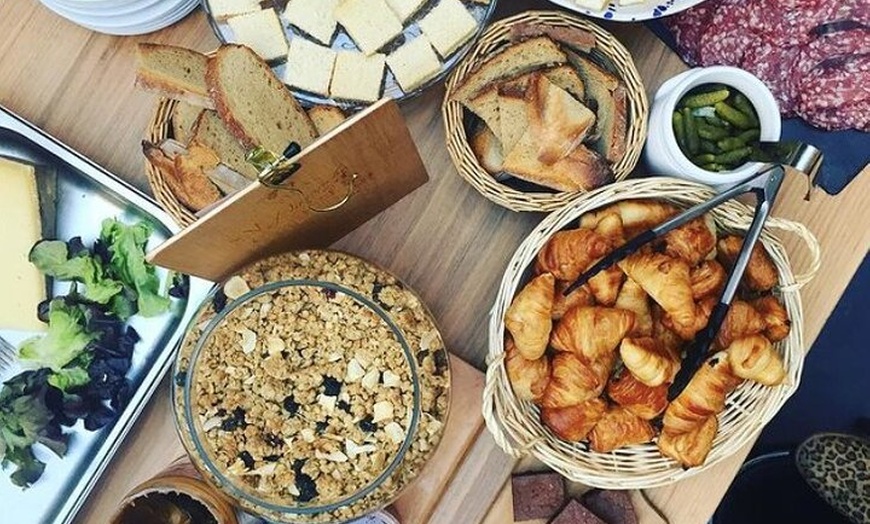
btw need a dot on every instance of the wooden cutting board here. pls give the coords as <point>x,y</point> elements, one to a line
<point>458,485</point>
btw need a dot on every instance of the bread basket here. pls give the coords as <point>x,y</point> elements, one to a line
<point>608,49</point>
<point>515,425</point>
<point>160,128</point>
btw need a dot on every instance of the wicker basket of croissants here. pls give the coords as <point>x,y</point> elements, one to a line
<point>581,381</point>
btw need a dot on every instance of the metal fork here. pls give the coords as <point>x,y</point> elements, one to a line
<point>7,354</point>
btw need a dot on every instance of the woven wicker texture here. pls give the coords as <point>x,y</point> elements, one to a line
<point>516,425</point>
<point>494,39</point>
<point>159,128</point>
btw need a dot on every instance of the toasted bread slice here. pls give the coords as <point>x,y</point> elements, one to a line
<point>487,149</point>
<point>514,60</point>
<point>211,132</point>
<point>326,118</point>
<point>613,134</point>
<point>513,114</point>
<point>254,104</point>
<point>485,106</point>
<point>573,36</point>
<point>182,169</point>
<point>567,78</point>
<point>611,110</point>
<point>184,117</point>
<point>581,169</point>
<point>173,72</point>
<point>561,122</point>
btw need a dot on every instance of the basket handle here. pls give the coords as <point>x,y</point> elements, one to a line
<point>812,243</point>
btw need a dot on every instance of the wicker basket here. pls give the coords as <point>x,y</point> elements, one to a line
<point>160,128</point>
<point>493,40</point>
<point>515,424</point>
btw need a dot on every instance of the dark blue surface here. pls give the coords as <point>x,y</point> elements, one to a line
<point>846,152</point>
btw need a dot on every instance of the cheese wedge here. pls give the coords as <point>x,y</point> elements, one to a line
<point>22,285</point>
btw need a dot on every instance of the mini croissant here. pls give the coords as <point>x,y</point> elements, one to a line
<point>690,449</point>
<point>633,298</point>
<point>707,279</point>
<point>573,423</point>
<point>664,334</point>
<point>573,381</point>
<point>637,215</point>
<point>741,321</point>
<point>528,378</point>
<point>649,361</point>
<point>761,274</point>
<point>666,280</point>
<point>704,395</point>
<point>776,322</point>
<point>754,358</point>
<point>592,333</point>
<point>529,317</point>
<point>617,428</point>
<point>606,284</point>
<point>579,297</point>
<point>627,391</point>
<point>693,242</point>
<point>568,253</point>
<point>610,227</point>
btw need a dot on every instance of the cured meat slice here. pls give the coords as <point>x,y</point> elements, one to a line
<point>729,34</point>
<point>688,27</point>
<point>833,45</point>
<point>791,22</point>
<point>775,65</point>
<point>833,94</point>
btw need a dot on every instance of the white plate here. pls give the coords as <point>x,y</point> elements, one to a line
<point>149,27</point>
<point>124,10</point>
<point>647,10</point>
<point>145,20</point>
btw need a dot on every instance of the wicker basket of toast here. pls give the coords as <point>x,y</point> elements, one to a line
<point>545,106</point>
<point>591,399</point>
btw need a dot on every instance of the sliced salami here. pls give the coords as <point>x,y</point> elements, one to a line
<point>775,66</point>
<point>833,45</point>
<point>688,27</point>
<point>728,36</point>
<point>791,22</point>
<point>831,93</point>
<point>856,10</point>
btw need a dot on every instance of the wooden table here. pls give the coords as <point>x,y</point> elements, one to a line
<point>445,240</point>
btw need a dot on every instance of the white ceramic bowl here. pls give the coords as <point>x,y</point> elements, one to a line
<point>661,152</point>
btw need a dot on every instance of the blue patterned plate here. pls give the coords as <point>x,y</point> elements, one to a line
<point>646,10</point>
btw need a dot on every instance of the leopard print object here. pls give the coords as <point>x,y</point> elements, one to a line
<point>837,467</point>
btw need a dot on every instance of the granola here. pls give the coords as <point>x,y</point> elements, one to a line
<point>328,425</point>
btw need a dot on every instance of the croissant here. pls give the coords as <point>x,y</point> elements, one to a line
<point>579,297</point>
<point>666,280</point>
<point>633,298</point>
<point>592,332</point>
<point>573,381</point>
<point>662,333</point>
<point>529,316</point>
<point>776,322</point>
<point>627,391</point>
<point>754,358</point>
<point>617,428</point>
<point>528,378</point>
<point>649,361</point>
<point>573,423</point>
<point>693,242</point>
<point>704,395</point>
<point>610,227</point>
<point>605,285</point>
<point>637,215</point>
<point>690,449</point>
<point>742,320</point>
<point>568,253</point>
<point>760,275</point>
<point>707,279</point>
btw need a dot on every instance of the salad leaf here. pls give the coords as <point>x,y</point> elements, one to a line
<point>126,243</point>
<point>52,258</point>
<point>68,378</point>
<point>65,340</point>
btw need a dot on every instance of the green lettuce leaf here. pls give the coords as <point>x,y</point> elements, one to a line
<point>52,258</point>
<point>127,247</point>
<point>68,378</point>
<point>65,340</point>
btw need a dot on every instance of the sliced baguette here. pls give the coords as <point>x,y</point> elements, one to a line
<point>173,72</point>
<point>210,131</point>
<point>525,56</point>
<point>326,118</point>
<point>254,104</point>
<point>184,117</point>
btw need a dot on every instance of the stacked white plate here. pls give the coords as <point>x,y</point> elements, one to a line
<point>122,17</point>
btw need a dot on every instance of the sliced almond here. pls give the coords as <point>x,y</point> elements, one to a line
<point>355,371</point>
<point>327,402</point>
<point>371,379</point>
<point>391,380</point>
<point>275,344</point>
<point>235,287</point>
<point>248,341</point>
<point>334,456</point>
<point>383,410</point>
<point>395,432</point>
<point>307,435</point>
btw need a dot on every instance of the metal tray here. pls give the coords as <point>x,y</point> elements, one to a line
<point>87,194</point>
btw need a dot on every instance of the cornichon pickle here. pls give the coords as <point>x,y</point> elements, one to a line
<point>706,99</point>
<point>716,121</point>
<point>679,129</point>
<point>709,147</point>
<point>713,167</point>
<point>742,103</point>
<point>732,115</point>
<point>708,132</point>
<point>733,142</point>
<point>733,156</point>
<point>693,141</point>
<point>705,158</point>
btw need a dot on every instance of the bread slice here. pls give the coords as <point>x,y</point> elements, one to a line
<point>357,77</point>
<point>567,78</point>
<point>309,66</point>
<point>184,117</point>
<point>581,169</point>
<point>610,113</point>
<point>405,9</point>
<point>370,23</point>
<point>261,31</point>
<point>559,120</point>
<point>315,18</point>
<point>326,118</point>
<point>254,104</point>
<point>182,170</point>
<point>173,72</point>
<point>211,132</point>
<point>572,36</point>
<point>485,106</point>
<point>223,9</point>
<point>514,60</point>
<point>487,149</point>
<point>513,113</point>
<point>448,25</point>
<point>414,63</point>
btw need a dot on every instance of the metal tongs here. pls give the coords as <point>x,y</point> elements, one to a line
<point>765,186</point>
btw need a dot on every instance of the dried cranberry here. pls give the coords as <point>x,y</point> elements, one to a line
<point>367,424</point>
<point>290,405</point>
<point>331,386</point>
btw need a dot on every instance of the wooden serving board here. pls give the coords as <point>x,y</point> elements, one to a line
<point>458,485</point>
